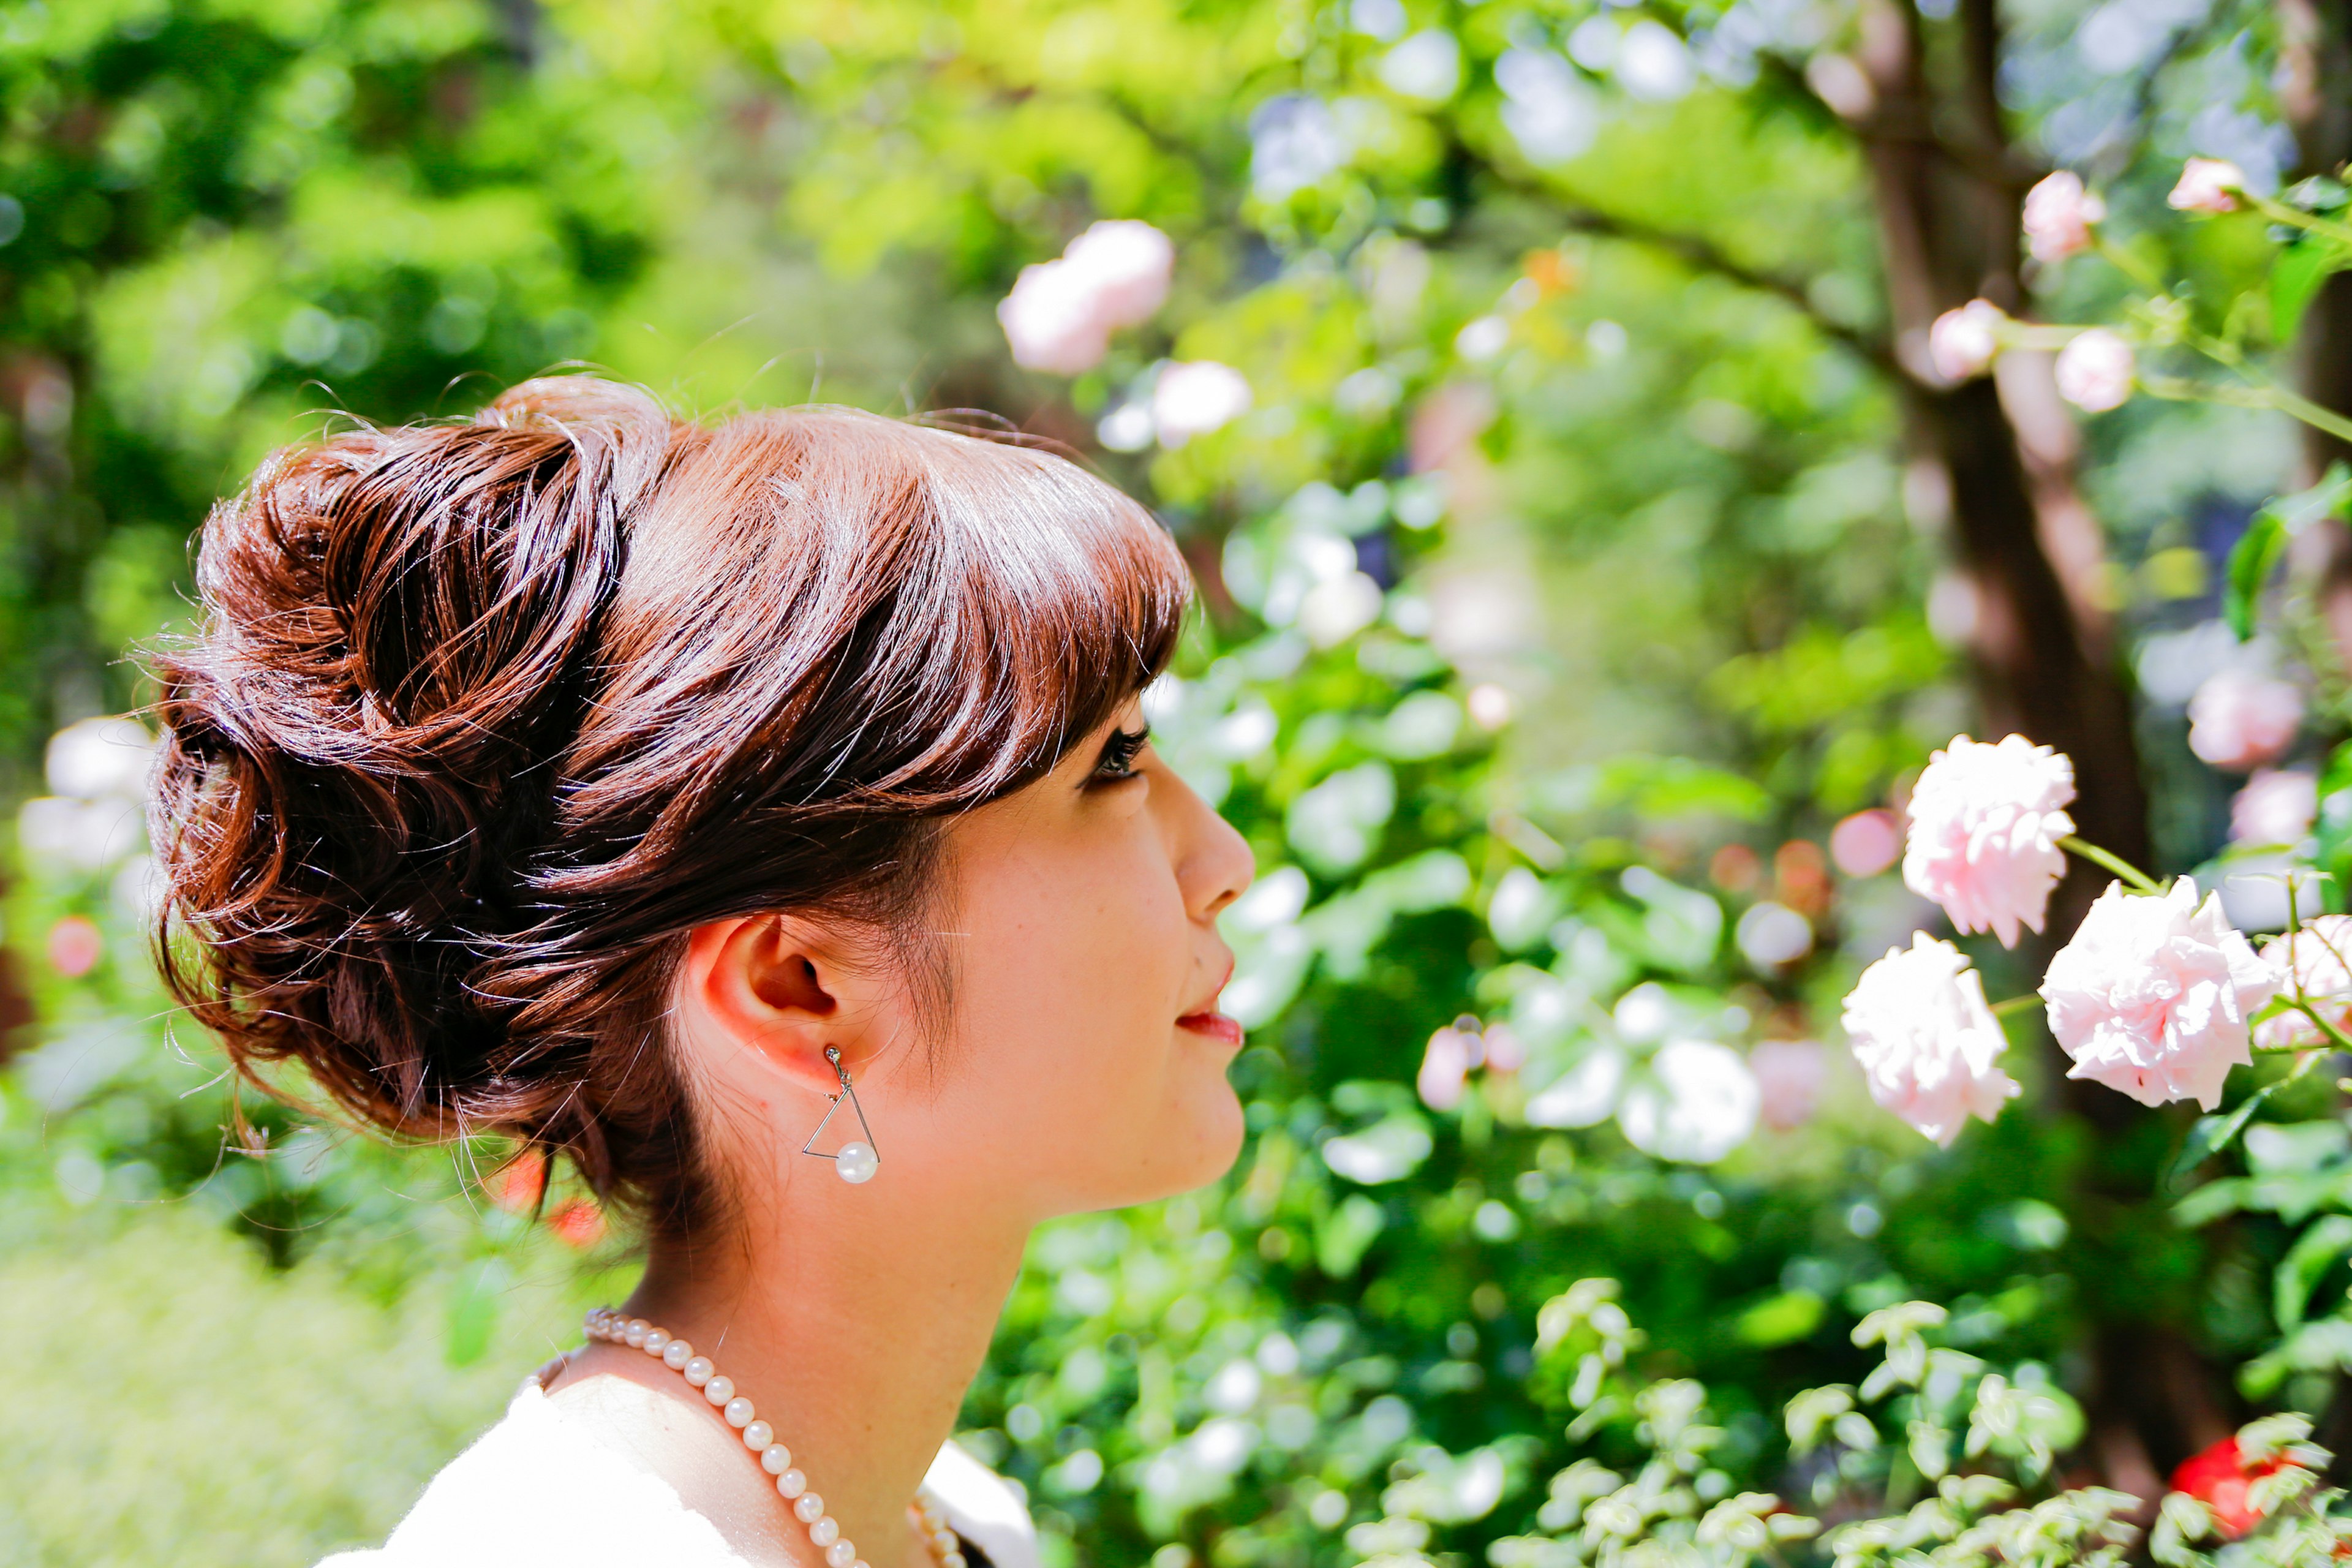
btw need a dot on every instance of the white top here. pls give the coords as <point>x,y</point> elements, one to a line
<point>542,1487</point>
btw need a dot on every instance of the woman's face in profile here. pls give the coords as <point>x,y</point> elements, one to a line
<point>1088,1062</point>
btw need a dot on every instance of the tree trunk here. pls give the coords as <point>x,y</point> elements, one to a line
<point>1949,199</point>
<point>2042,645</point>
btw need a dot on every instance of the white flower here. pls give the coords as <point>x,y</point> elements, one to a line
<point>1928,1045</point>
<point>1985,825</point>
<point>2152,995</point>
<point>2278,806</point>
<point>2312,961</point>
<point>2059,213</point>
<point>1962,343</point>
<point>1061,313</point>
<point>2238,720</point>
<point>1192,398</point>
<point>2095,370</point>
<point>1699,1104</point>
<point>2206,184</point>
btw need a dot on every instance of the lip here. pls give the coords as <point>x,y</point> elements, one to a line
<point>1215,1026</point>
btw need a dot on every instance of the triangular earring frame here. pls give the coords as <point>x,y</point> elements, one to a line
<point>849,1092</point>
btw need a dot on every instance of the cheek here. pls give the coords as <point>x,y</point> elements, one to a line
<point>1074,961</point>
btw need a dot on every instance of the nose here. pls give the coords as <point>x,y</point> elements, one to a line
<point>1213,863</point>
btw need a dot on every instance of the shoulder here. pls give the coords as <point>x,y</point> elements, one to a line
<point>538,1489</point>
<point>983,1507</point>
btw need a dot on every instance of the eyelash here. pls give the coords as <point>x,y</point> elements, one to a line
<point>1118,754</point>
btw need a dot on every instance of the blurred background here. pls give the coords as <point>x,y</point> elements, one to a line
<point>1590,556</point>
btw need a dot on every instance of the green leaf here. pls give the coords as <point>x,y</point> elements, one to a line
<point>2258,551</point>
<point>2214,1134</point>
<point>2295,281</point>
<point>1781,1319</point>
<point>2314,1252</point>
<point>2251,560</point>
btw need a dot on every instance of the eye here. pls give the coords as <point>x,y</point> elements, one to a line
<point>1120,748</point>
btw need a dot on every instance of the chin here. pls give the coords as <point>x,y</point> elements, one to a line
<point>1200,1145</point>
<point>1215,1142</point>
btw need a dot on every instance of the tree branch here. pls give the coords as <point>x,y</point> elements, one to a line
<point>1704,256</point>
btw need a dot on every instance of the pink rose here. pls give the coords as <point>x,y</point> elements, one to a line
<point>1194,398</point>
<point>1051,321</point>
<point>2312,961</point>
<point>1444,1067</point>
<point>1866,843</point>
<point>1985,825</point>
<point>2238,720</point>
<point>2095,370</point>
<point>2278,806</point>
<point>2059,213</point>
<point>1788,1076</point>
<point>2206,186</point>
<point>1128,265</point>
<point>2152,995</point>
<point>1961,342</point>
<point>1928,1045</point>
<point>1061,313</point>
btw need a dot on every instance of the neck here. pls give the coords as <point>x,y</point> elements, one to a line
<point>854,1324</point>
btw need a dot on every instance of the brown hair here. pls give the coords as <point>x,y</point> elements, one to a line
<point>484,718</point>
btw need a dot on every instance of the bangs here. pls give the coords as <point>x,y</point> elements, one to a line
<point>932,619</point>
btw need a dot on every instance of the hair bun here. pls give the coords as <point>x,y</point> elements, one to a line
<point>358,748</point>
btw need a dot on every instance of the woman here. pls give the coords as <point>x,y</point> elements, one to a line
<point>761,816</point>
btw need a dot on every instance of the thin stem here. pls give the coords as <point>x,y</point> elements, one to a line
<point>2280,212</point>
<point>2113,862</point>
<point>2335,1034</point>
<point>2013,1006</point>
<point>2266,394</point>
<point>2130,266</point>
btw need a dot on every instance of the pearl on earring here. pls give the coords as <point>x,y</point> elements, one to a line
<point>856,1163</point>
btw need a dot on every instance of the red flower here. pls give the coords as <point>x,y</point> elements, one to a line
<point>579,1224</point>
<point>515,1186</point>
<point>2218,1477</point>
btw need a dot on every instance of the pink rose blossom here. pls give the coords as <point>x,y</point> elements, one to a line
<point>2312,959</point>
<point>1961,342</point>
<point>2095,370</point>
<point>1928,1045</point>
<point>2206,184</point>
<point>1194,398</point>
<point>1051,321</point>
<point>1444,1067</point>
<point>1985,825</point>
<point>1126,264</point>
<point>2278,806</point>
<point>2152,995</point>
<point>2238,720</point>
<point>1789,1075</point>
<point>1866,843</point>
<point>2059,213</point>
<point>1061,313</point>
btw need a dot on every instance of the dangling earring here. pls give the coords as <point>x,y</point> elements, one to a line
<point>855,1161</point>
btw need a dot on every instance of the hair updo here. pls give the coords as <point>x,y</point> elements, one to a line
<point>483,718</point>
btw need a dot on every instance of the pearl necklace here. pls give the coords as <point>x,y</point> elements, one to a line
<point>825,1534</point>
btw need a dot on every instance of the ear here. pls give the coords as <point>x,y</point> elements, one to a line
<point>774,988</point>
